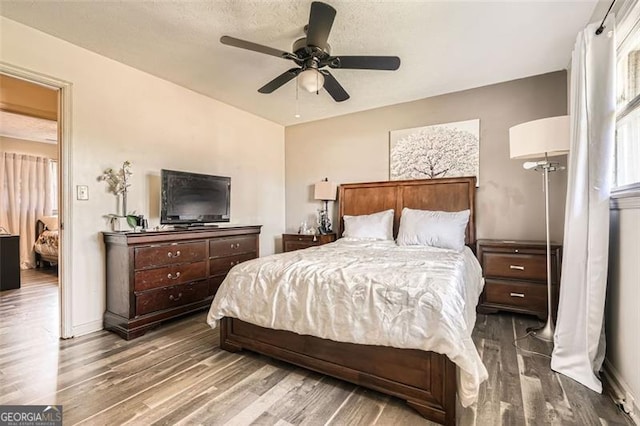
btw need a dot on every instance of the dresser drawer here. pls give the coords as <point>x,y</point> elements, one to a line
<point>214,283</point>
<point>231,246</point>
<point>518,266</point>
<point>167,254</point>
<point>169,275</point>
<point>222,265</point>
<point>171,297</point>
<point>532,297</point>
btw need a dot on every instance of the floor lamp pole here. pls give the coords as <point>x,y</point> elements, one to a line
<point>546,333</point>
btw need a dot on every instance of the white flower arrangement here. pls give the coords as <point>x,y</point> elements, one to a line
<point>118,181</point>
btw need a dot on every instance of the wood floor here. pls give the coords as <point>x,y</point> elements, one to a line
<point>178,375</point>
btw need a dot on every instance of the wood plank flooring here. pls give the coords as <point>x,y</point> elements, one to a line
<point>176,374</point>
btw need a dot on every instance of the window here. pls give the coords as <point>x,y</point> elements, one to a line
<point>627,150</point>
<point>53,167</point>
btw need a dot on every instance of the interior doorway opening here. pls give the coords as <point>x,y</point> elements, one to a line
<point>34,186</point>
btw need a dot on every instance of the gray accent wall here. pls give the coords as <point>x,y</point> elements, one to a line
<point>355,148</point>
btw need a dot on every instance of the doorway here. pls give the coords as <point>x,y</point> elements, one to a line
<point>34,117</point>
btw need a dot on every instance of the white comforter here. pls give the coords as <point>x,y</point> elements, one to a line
<point>374,293</point>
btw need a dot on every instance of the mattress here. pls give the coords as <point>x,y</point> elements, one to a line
<point>365,292</point>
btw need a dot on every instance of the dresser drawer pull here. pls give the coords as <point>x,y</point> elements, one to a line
<point>174,298</point>
<point>235,246</point>
<point>176,254</point>
<point>516,295</point>
<point>518,267</point>
<point>172,277</point>
<point>237,262</point>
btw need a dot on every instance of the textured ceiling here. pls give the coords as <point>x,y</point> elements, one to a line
<point>444,46</point>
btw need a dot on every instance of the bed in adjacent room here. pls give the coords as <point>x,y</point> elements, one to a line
<point>46,244</point>
<point>393,317</point>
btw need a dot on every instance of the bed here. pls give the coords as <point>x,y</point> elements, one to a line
<point>425,379</point>
<point>46,244</point>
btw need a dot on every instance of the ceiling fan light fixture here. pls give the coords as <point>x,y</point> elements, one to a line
<point>311,80</point>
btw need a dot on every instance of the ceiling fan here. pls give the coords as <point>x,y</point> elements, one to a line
<point>312,53</point>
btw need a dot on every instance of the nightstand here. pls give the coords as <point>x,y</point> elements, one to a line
<point>515,274</point>
<point>9,262</point>
<point>291,242</point>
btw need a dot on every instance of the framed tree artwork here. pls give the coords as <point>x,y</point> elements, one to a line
<point>437,151</point>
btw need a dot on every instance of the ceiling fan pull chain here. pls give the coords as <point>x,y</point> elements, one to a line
<point>297,114</point>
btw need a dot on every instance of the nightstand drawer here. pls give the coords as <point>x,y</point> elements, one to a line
<point>519,295</point>
<point>519,266</point>
<point>291,242</point>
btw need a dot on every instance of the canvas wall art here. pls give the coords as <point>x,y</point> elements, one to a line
<point>436,151</point>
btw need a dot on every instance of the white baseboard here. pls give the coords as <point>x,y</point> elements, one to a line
<point>86,328</point>
<point>622,394</point>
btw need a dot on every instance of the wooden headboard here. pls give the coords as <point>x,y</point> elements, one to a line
<point>450,195</point>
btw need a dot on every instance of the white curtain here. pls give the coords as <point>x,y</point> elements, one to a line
<point>25,196</point>
<point>579,338</point>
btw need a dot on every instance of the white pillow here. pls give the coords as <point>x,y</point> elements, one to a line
<point>50,222</point>
<point>433,228</point>
<point>376,226</point>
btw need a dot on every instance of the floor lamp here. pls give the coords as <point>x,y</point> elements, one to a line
<point>548,137</point>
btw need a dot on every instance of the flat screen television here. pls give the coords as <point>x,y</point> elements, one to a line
<point>193,198</point>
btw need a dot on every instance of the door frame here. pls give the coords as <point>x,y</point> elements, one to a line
<point>65,186</point>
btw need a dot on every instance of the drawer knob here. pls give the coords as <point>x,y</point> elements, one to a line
<point>300,238</point>
<point>518,267</point>
<point>176,254</point>
<point>517,295</point>
<point>172,277</point>
<point>172,297</point>
<point>236,245</point>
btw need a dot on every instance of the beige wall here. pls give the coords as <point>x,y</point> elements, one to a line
<point>355,148</point>
<point>120,113</point>
<point>622,320</point>
<point>21,146</point>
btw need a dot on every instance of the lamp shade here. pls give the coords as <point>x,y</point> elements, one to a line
<point>325,191</point>
<point>535,139</point>
<point>311,80</point>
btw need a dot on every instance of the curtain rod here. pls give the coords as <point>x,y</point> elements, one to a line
<point>601,27</point>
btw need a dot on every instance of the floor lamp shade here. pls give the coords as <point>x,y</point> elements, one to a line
<point>545,137</point>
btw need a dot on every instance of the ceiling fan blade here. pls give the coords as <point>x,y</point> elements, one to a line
<point>243,44</point>
<point>320,22</point>
<point>334,88</point>
<point>389,63</point>
<point>280,80</point>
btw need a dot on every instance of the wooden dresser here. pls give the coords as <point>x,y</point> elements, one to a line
<point>291,242</point>
<point>156,276</point>
<point>515,275</point>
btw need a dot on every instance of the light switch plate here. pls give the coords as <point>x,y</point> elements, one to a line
<point>82,192</point>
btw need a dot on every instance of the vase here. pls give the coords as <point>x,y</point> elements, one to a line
<point>124,203</point>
